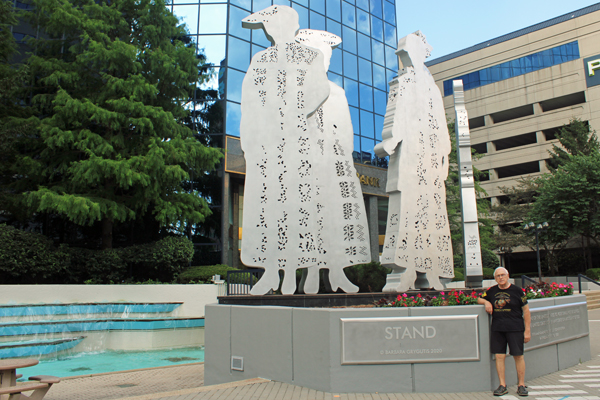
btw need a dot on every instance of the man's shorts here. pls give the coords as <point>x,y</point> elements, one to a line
<point>515,341</point>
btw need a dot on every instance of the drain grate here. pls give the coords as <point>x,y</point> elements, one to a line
<point>127,385</point>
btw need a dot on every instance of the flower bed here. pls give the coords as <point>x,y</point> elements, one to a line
<point>543,290</point>
<point>460,298</point>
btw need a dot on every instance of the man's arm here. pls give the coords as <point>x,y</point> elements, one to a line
<point>488,306</point>
<point>527,319</point>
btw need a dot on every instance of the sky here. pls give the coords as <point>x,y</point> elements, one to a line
<point>454,25</point>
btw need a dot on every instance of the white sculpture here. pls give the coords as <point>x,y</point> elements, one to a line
<point>343,234</point>
<point>415,136</point>
<point>284,85</point>
<point>468,200</point>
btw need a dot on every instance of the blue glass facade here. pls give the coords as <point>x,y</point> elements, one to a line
<point>516,67</point>
<point>363,64</point>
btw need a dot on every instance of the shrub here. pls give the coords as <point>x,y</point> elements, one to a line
<point>593,273</point>
<point>488,273</point>
<point>458,276</point>
<point>96,266</point>
<point>489,259</point>
<point>203,274</point>
<point>161,260</point>
<point>30,258</point>
<point>369,277</point>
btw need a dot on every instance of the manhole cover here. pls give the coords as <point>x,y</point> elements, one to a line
<point>126,385</point>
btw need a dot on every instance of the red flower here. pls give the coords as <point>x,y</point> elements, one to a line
<point>419,295</point>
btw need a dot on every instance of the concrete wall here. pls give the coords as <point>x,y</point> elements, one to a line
<point>302,346</point>
<point>194,297</point>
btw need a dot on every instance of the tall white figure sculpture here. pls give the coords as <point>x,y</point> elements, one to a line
<point>468,200</point>
<point>342,235</point>
<point>284,85</point>
<point>417,243</point>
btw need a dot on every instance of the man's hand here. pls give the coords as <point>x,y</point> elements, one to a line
<point>488,308</point>
<point>527,336</point>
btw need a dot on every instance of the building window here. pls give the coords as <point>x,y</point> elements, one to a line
<point>519,66</point>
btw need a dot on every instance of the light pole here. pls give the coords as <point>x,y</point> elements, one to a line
<point>540,227</point>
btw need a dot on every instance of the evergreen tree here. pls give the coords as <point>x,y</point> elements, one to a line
<point>111,83</point>
<point>576,138</point>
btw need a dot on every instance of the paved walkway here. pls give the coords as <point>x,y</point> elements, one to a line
<point>581,382</point>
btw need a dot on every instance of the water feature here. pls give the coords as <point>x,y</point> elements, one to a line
<point>111,361</point>
<point>46,330</point>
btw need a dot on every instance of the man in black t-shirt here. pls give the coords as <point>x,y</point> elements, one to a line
<point>511,324</point>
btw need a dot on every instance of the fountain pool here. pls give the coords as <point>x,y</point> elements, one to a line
<point>111,361</point>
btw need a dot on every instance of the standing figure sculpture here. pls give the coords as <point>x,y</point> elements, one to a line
<point>417,243</point>
<point>284,85</point>
<point>342,235</point>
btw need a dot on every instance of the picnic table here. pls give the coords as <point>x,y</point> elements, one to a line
<point>10,387</point>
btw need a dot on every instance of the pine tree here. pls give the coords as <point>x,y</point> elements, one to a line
<point>576,138</point>
<point>111,83</point>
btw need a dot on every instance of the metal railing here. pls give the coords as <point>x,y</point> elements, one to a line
<point>579,276</point>
<point>241,282</point>
<point>525,277</point>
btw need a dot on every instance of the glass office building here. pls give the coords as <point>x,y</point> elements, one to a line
<point>363,65</point>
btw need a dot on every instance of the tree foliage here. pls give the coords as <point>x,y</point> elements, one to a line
<point>576,138</point>
<point>111,82</point>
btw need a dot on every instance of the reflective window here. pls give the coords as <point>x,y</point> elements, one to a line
<point>188,15</point>
<point>390,35</point>
<point>389,76</point>
<point>350,65</point>
<point>379,80</point>
<point>318,6</point>
<point>211,84</point>
<point>317,21</point>
<point>334,27</point>
<point>348,15</point>
<point>364,4</point>
<point>302,15</point>
<point>366,146</point>
<point>282,3</point>
<point>238,54</point>
<point>367,128</point>
<point>258,5</point>
<point>516,67</point>
<point>364,71</point>
<point>213,47</point>
<point>389,13</point>
<point>335,78</point>
<point>259,37</point>
<point>246,4</point>
<point>334,10</point>
<point>302,2</point>
<point>380,101</point>
<point>353,2</point>
<point>351,88</point>
<point>392,1</point>
<point>377,28</point>
<point>376,8</point>
<point>391,59</point>
<point>356,152</point>
<point>378,127</point>
<point>235,23</point>
<point>213,109</point>
<point>256,49</point>
<point>354,115</point>
<point>366,99</point>
<point>349,39</point>
<point>213,18</point>
<point>362,21</point>
<point>234,85</point>
<point>378,52</point>
<point>234,116</point>
<point>364,46</point>
<point>335,65</point>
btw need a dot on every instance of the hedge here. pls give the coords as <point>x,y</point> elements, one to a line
<point>593,273</point>
<point>204,274</point>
